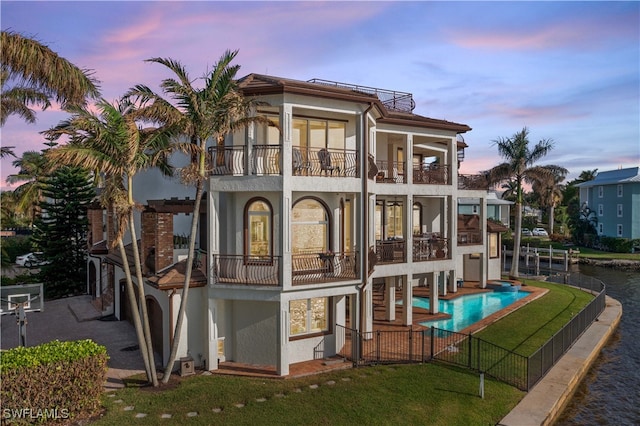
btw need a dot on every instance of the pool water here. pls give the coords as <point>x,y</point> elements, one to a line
<point>469,309</point>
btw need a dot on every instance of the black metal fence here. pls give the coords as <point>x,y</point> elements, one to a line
<point>466,350</point>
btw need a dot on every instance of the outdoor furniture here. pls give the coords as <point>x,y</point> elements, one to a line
<point>298,162</point>
<point>324,157</point>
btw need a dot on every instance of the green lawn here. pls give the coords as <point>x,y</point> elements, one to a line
<point>425,394</point>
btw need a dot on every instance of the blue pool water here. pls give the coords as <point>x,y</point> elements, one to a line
<point>469,309</point>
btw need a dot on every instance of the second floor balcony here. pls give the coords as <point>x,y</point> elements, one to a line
<point>267,160</point>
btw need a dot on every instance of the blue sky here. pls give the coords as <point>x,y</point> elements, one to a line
<point>569,71</point>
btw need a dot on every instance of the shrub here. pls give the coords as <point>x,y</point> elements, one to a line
<point>617,245</point>
<point>52,381</point>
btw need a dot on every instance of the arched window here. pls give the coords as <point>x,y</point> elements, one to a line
<point>310,227</point>
<point>258,227</point>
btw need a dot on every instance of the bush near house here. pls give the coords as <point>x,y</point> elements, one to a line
<point>617,245</point>
<point>52,382</point>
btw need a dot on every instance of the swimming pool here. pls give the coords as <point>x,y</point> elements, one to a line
<point>469,309</point>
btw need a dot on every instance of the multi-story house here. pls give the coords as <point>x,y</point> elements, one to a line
<point>614,196</point>
<point>347,193</point>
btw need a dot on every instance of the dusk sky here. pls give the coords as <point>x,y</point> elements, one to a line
<point>569,71</point>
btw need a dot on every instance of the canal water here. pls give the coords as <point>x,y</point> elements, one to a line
<point>610,394</point>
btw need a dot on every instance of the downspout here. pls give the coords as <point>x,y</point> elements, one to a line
<point>364,263</point>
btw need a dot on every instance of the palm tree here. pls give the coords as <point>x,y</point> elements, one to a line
<point>39,75</point>
<point>519,167</point>
<point>114,144</point>
<point>549,191</point>
<point>210,112</point>
<point>6,151</point>
<point>31,169</point>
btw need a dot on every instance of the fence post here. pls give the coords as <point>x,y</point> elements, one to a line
<point>470,348</point>
<point>410,343</point>
<point>431,343</point>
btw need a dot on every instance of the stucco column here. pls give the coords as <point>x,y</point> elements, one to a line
<point>433,293</point>
<point>390,298</point>
<point>282,361</point>
<point>407,301</point>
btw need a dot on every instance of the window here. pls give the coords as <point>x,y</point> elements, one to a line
<point>388,219</point>
<point>600,210</point>
<point>620,210</point>
<point>600,229</point>
<point>318,134</point>
<point>619,190</point>
<point>310,227</point>
<point>269,134</point>
<point>417,219</point>
<point>619,230</point>
<point>474,209</point>
<point>258,227</point>
<point>309,316</point>
<point>493,245</point>
<point>600,191</point>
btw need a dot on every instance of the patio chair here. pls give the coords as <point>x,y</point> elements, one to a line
<point>324,157</point>
<point>298,162</point>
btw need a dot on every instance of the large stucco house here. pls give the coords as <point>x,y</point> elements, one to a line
<point>350,194</point>
<point>614,196</point>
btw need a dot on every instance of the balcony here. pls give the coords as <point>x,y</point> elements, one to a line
<point>430,247</point>
<point>390,172</point>
<point>432,174</point>
<point>314,268</point>
<point>266,160</point>
<point>247,270</point>
<point>479,182</point>
<point>391,251</point>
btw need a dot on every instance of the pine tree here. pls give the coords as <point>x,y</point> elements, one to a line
<point>61,231</point>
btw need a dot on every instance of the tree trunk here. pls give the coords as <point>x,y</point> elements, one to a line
<point>143,302</point>
<point>517,238</point>
<point>187,279</point>
<point>135,314</point>
<point>551,218</point>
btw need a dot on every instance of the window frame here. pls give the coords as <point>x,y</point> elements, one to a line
<point>620,190</point>
<point>619,230</point>
<point>328,243</point>
<point>600,191</point>
<point>620,210</point>
<point>247,231</point>
<point>600,209</point>
<point>309,333</point>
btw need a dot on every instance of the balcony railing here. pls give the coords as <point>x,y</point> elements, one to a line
<point>247,270</point>
<point>266,160</point>
<point>469,238</point>
<point>435,174</point>
<point>391,172</point>
<point>430,248</point>
<point>391,251</point>
<point>473,182</point>
<point>311,268</point>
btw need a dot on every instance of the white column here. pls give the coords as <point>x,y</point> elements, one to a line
<point>433,293</point>
<point>407,301</point>
<point>390,298</point>
<point>282,339</point>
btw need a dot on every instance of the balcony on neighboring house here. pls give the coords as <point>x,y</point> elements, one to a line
<point>314,268</point>
<point>266,160</point>
<point>469,232</point>
<point>479,182</point>
<point>392,250</point>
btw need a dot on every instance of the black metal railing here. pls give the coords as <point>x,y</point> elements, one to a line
<point>266,160</point>
<point>468,238</point>
<point>246,270</point>
<point>226,160</point>
<point>430,248</point>
<point>391,251</point>
<point>468,351</point>
<point>325,162</point>
<point>433,174</point>
<point>391,172</point>
<point>311,268</point>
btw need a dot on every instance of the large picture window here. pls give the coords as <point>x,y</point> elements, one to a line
<point>494,248</point>
<point>310,227</point>
<point>309,316</point>
<point>258,228</point>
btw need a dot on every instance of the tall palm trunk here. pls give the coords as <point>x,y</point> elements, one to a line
<point>187,279</point>
<point>143,303</point>
<point>135,314</point>
<point>515,261</point>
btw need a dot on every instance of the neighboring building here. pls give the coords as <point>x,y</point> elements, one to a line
<point>352,194</point>
<point>614,196</point>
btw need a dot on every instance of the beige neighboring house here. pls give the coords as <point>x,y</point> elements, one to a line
<point>353,193</point>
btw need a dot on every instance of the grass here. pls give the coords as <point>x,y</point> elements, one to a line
<point>425,394</point>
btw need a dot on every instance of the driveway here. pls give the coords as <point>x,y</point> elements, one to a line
<point>75,318</point>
